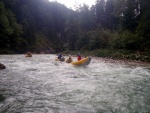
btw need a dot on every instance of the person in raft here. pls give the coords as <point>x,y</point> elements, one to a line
<point>59,56</point>
<point>29,53</point>
<point>79,56</point>
<point>70,57</point>
<point>69,60</point>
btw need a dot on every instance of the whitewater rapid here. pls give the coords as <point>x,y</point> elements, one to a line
<point>42,85</point>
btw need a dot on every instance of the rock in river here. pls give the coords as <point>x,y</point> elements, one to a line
<point>2,66</point>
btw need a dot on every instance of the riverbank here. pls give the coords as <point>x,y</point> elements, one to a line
<point>104,53</point>
<point>124,61</point>
<point>115,55</point>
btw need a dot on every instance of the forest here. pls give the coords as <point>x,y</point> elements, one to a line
<point>111,28</point>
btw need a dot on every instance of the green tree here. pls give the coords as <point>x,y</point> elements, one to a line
<point>5,28</point>
<point>129,20</point>
<point>10,30</point>
<point>100,12</point>
<point>143,29</point>
<point>111,21</point>
<point>71,32</point>
<point>85,18</point>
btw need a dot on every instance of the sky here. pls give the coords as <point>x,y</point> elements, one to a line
<point>71,3</point>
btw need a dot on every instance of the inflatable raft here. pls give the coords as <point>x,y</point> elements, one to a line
<point>62,59</point>
<point>69,60</point>
<point>83,62</point>
<point>28,55</point>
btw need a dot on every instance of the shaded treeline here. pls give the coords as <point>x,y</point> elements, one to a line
<point>43,26</point>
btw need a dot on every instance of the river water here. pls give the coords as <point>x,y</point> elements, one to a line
<point>41,85</point>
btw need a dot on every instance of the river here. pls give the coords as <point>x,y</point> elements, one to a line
<point>42,85</point>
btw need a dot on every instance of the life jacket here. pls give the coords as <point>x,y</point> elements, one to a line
<point>79,57</point>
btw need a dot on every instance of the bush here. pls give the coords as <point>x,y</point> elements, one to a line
<point>126,40</point>
<point>6,51</point>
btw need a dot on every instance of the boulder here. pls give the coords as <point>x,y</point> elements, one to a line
<point>2,66</point>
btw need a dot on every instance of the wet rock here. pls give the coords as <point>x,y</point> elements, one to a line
<point>2,66</point>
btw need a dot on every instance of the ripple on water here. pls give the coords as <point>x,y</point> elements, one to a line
<point>42,85</point>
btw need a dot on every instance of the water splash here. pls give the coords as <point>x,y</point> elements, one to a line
<point>40,84</point>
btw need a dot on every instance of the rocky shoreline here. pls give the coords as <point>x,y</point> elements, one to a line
<point>122,61</point>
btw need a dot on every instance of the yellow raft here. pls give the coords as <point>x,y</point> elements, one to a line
<point>84,61</point>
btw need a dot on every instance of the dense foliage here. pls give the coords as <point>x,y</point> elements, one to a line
<point>43,26</point>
